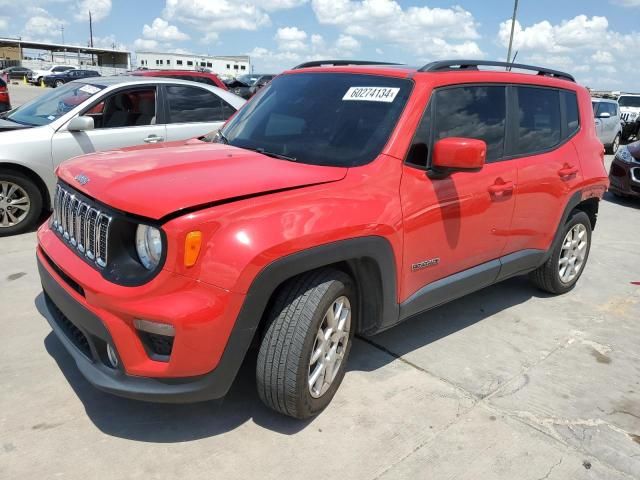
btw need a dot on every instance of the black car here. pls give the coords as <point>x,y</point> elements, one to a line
<point>624,175</point>
<point>63,77</point>
<point>16,72</point>
<point>246,85</point>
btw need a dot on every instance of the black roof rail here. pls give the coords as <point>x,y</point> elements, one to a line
<point>336,63</point>
<point>452,65</point>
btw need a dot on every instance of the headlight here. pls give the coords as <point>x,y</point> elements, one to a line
<point>149,246</point>
<point>623,154</point>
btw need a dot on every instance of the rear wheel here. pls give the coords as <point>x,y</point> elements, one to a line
<point>304,350</point>
<point>59,83</point>
<point>20,203</point>
<point>564,267</point>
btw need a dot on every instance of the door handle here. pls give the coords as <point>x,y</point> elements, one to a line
<point>501,188</point>
<point>153,139</point>
<point>567,170</point>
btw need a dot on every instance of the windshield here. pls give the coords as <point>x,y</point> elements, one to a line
<point>45,109</point>
<point>629,102</point>
<point>323,119</point>
<point>248,80</point>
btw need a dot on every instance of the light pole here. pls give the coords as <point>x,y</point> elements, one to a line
<point>513,24</point>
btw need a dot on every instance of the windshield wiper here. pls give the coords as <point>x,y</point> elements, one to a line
<point>272,154</point>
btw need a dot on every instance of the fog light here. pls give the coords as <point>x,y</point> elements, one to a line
<point>111,355</point>
<point>155,327</point>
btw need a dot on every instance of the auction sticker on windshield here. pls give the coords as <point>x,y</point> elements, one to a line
<point>90,89</point>
<point>371,94</point>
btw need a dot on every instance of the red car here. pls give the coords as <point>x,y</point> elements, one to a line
<point>194,76</point>
<point>5,102</point>
<point>343,198</point>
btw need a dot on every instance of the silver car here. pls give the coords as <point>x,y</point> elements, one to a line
<point>89,115</point>
<point>608,123</point>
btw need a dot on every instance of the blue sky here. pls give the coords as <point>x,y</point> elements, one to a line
<point>597,40</point>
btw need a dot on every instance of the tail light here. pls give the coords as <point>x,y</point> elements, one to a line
<point>4,94</point>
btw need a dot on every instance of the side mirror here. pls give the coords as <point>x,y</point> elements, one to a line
<point>458,154</point>
<point>604,115</point>
<point>80,124</point>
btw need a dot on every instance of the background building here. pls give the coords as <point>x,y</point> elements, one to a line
<point>220,65</point>
<point>41,55</point>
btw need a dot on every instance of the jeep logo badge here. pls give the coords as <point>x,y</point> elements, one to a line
<point>82,179</point>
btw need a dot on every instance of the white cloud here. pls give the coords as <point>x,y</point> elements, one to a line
<point>427,32</point>
<point>296,46</point>
<point>100,9</point>
<point>627,3</point>
<point>144,44</point>
<point>579,45</point>
<point>216,15</point>
<point>43,26</point>
<point>272,5</point>
<point>161,30</point>
<point>108,42</point>
<point>602,56</point>
<point>291,39</point>
<point>347,43</point>
<point>4,23</point>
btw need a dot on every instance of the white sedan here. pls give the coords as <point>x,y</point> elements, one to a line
<point>90,115</point>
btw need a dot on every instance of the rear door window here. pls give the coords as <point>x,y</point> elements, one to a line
<point>191,104</point>
<point>538,120</point>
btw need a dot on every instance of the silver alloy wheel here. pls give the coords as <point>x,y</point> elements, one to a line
<point>329,346</point>
<point>573,253</point>
<point>14,204</point>
<point>616,144</point>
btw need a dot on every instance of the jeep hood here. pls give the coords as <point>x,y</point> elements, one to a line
<point>155,182</point>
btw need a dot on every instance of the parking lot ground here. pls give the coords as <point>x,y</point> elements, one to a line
<point>507,383</point>
<point>21,93</point>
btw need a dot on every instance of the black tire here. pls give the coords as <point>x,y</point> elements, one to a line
<point>296,315</point>
<point>547,276</point>
<point>35,199</point>
<point>613,148</point>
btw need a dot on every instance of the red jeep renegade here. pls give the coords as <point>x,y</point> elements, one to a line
<point>344,198</point>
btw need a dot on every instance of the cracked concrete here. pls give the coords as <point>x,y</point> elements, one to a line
<point>505,384</point>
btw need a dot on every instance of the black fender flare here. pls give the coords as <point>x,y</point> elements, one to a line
<point>572,203</point>
<point>375,249</point>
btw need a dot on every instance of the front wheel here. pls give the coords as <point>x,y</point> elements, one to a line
<point>304,350</point>
<point>564,267</point>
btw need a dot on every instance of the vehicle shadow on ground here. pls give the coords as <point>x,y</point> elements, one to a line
<point>434,325</point>
<point>167,423</point>
<point>629,202</point>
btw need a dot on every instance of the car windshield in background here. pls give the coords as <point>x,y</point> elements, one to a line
<point>629,102</point>
<point>45,109</point>
<point>323,119</point>
<point>248,80</point>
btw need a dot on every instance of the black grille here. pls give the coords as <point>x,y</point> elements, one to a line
<point>72,332</point>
